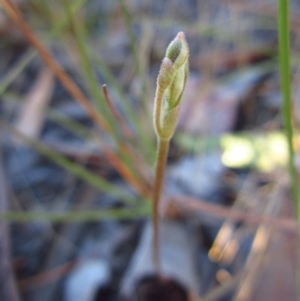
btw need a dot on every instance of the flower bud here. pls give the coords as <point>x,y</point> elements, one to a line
<point>169,122</point>
<point>178,50</point>
<point>171,82</point>
<point>165,75</point>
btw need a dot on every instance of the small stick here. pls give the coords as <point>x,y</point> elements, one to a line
<point>127,131</point>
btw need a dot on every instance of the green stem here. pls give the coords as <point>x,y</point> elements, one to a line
<point>162,152</point>
<point>284,56</point>
<point>74,216</point>
<point>134,50</point>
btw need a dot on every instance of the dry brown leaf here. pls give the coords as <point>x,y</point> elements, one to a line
<point>31,118</point>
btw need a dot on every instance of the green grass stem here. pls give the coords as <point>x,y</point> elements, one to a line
<point>285,78</point>
<point>128,24</point>
<point>75,216</point>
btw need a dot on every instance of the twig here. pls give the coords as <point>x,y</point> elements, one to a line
<point>127,131</point>
<point>196,206</point>
<point>140,167</point>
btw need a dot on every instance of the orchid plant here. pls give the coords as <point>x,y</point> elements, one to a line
<point>171,82</point>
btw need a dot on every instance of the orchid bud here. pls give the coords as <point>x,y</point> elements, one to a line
<point>165,75</point>
<point>171,82</point>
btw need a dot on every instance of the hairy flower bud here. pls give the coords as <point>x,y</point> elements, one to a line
<point>173,49</point>
<point>171,82</point>
<point>165,75</point>
<point>178,50</point>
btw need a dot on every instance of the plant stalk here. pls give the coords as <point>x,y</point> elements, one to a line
<point>162,152</point>
<point>285,75</point>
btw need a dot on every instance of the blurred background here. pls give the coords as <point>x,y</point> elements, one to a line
<point>77,159</point>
